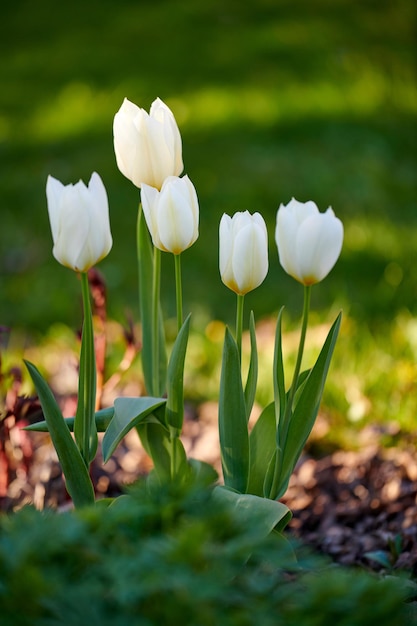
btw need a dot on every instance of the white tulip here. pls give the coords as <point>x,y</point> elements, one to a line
<point>243,255</point>
<point>171,214</point>
<point>79,218</point>
<point>148,147</point>
<point>309,242</point>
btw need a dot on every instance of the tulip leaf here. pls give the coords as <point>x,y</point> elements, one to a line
<point>262,449</point>
<point>278,374</point>
<point>167,452</point>
<point>233,428</point>
<point>128,413</point>
<point>145,269</point>
<point>85,431</point>
<point>308,404</point>
<point>261,514</point>
<point>252,379</point>
<point>175,379</point>
<point>102,419</point>
<point>78,482</point>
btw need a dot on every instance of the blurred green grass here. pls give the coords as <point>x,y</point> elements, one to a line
<point>274,99</point>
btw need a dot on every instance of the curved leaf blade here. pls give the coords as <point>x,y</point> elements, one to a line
<point>102,417</point>
<point>262,448</point>
<point>128,413</point>
<point>78,482</point>
<point>307,407</point>
<point>233,428</point>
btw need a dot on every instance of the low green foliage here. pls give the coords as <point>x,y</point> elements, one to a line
<point>176,556</point>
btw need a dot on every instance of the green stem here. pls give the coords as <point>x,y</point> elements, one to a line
<point>86,434</point>
<point>306,309</point>
<point>239,323</point>
<point>156,285</point>
<point>178,290</point>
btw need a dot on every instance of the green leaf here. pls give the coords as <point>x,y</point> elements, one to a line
<point>145,270</point>
<point>85,432</point>
<point>261,514</point>
<point>262,449</point>
<point>128,413</point>
<point>233,428</point>
<point>252,379</point>
<point>278,374</point>
<point>102,420</point>
<point>175,379</point>
<point>307,407</point>
<point>167,452</point>
<point>78,482</point>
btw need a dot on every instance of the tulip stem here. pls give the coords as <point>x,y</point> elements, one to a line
<point>293,389</point>
<point>84,427</point>
<point>178,290</point>
<point>239,323</point>
<point>156,285</point>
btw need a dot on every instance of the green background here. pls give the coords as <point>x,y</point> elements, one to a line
<point>274,99</point>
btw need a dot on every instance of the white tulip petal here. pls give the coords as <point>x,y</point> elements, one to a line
<point>149,198</point>
<point>226,249</point>
<point>285,235</point>
<point>54,189</point>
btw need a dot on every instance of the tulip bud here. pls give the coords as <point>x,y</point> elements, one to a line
<point>309,242</point>
<point>171,214</point>
<point>79,218</point>
<point>243,251</point>
<point>148,147</point>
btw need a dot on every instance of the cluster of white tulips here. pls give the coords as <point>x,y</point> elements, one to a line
<point>256,465</point>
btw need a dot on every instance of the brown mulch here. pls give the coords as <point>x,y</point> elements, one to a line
<point>346,505</point>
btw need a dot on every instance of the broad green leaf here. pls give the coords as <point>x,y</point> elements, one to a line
<point>85,431</point>
<point>262,448</point>
<point>278,374</point>
<point>307,407</point>
<point>175,379</point>
<point>128,413</point>
<point>203,474</point>
<point>102,418</point>
<point>261,514</point>
<point>252,379</point>
<point>233,428</point>
<point>167,453</point>
<point>145,270</point>
<point>78,482</point>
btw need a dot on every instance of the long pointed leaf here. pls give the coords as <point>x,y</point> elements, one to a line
<point>307,407</point>
<point>233,428</point>
<point>262,449</point>
<point>78,482</point>
<point>175,379</point>
<point>102,419</point>
<point>128,413</point>
<point>252,379</point>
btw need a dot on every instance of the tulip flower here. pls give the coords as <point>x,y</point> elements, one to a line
<point>171,214</point>
<point>79,218</point>
<point>243,251</point>
<point>309,242</point>
<point>148,147</point>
